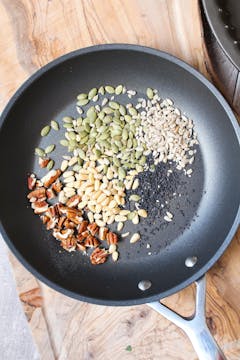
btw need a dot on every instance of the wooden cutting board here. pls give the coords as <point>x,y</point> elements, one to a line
<point>33,33</point>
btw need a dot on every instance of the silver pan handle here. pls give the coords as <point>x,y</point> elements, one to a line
<point>195,327</point>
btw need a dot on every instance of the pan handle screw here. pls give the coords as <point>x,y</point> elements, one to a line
<point>144,285</point>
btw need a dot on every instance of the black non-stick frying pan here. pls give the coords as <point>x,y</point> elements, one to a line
<point>206,215</point>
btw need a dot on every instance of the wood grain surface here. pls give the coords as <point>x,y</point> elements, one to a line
<point>35,32</point>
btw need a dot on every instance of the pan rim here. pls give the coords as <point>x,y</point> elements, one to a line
<point>218,96</point>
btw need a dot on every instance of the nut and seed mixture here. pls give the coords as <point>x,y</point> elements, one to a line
<point>110,147</point>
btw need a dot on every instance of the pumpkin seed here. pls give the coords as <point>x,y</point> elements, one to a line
<point>64,142</point>
<point>116,161</point>
<point>104,136</point>
<point>107,110</point>
<point>149,93</point>
<point>84,140</point>
<point>131,215</point>
<point>101,90</point>
<point>49,149</point>
<point>128,118</point>
<point>45,130</point>
<point>142,161</point>
<point>92,93</point>
<point>122,110</point>
<point>68,126</point>
<point>67,119</point>
<point>109,89</point>
<point>82,102</point>
<point>50,165</point>
<point>118,89</point>
<point>132,111</point>
<point>54,125</point>
<point>81,154</point>
<point>72,135</point>
<point>82,96</point>
<point>117,113</point>
<point>77,168</point>
<point>121,173</point>
<point>125,134</point>
<point>114,105</point>
<point>107,119</point>
<point>39,152</point>
<point>134,197</point>
<point>101,115</point>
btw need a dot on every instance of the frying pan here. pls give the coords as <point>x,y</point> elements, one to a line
<point>206,215</point>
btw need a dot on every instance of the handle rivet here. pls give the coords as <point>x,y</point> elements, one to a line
<point>144,285</point>
<point>191,261</point>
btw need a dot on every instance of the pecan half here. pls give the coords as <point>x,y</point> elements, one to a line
<point>73,201</point>
<point>57,186</point>
<point>44,219</point>
<point>83,226</point>
<point>69,224</point>
<point>81,247</point>
<point>63,234</point>
<point>51,176</point>
<point>93,228</point>
<point>98,256</point>
<point>40,206</point>
<point>61,222</point>
<point>52,222</point>
<point>103,233</point>
<point>91,241</point>
<point>43,162</point>
<point>112,238</point>
<point>69,244</point>
<point>31,181</point>
<point>38,193</point>
<point>50,194</point>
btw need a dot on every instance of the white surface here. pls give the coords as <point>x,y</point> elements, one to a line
<point>16,342</point>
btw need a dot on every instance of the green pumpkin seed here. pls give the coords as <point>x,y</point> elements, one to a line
<point>109,89</point>
<point>115,148</point>
<point>54,125</point>
<point>149,93</point>
<point>128,118</point>
<point>82,102</point>
<point>117,121</point>
<point>105,169</point>
<point>49,149</point>
<point>82,96</point>
<point>80,161</point>
<point>97,153</point>
<point>107,119</point>
<point>67,119</point>
<point>117,113</point>
<point>84,140</point>
<point>73,143</point>
<point>98,123</point>
<point>129,144</point>
<point>50,165</point>
<point>125,134</point>
<point>134,197</point>
<point>92,115</point>
<point>39,152</point>
<point>142,161</point>
<point>138,154</point>
<point>64,142</point>
<point>87,128</point>
<point>131,215</point>
<point>132,111</point>
<point>79,121</point>
<point>104,136</point>
<point>101,115</point>
<point>135,143</point>
<point>121,173</point>
<point>93,133</point>
<point>119,144</point>
<point>91,141</point>
<point>122,110</point>
<point>118,89</point>
<point>71,148</point>
<point>83,134</point>
<point>72,135</point>
<point>92,93</point>
<point>102,128</point>
<point>81,154</point>
<point>116,162</point>
<point>101,90</point>
<point>107,110</point>
<point>114,105</point>
<point>45,130</point>
<point>152,168</point>
<point>130,135</point>
<point>68,126</point>
<point>139,168</point>
<point>106,144</point>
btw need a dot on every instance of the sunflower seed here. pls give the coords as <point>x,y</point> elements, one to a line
<point>135,237</point>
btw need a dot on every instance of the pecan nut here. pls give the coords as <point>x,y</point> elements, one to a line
<point>73,201</point>
<point>112,238</point>
<point>57,186</point>
<point>82,226</point>
<point>98,256</point>
<point>93,228</point>
<point>38,193</point>
<point>51,176</point>
<point>43,162</point>
<point>31,181</point>
<point>91,241</point>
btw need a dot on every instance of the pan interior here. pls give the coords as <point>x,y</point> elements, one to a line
<point>203,215</point>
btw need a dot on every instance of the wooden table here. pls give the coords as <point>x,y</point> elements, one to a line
<point>33,32</point>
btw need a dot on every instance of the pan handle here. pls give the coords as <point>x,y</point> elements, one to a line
<point>195,327</point>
